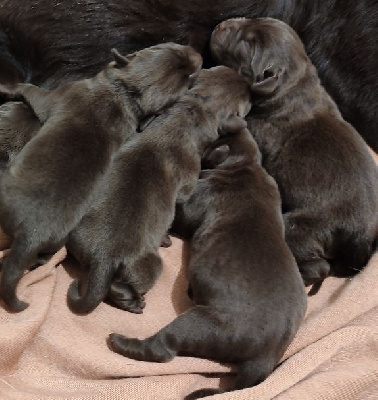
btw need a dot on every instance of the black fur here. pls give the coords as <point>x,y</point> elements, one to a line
<point>135,204</point>
<point>49,42</point>
<point>18,124</point>
<point>248,294</point>
<point>49,185</point>
<point>326,175</point>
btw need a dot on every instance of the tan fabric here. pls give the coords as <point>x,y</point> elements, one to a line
<point>46,352</point>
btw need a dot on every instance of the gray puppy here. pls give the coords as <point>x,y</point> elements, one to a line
<point>249,296</point>
<point>135,205</point>
<point>49,186</point>
<point>327,178</point>
<point>18,124</point>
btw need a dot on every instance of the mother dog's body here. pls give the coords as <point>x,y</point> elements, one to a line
<point>51,42</point>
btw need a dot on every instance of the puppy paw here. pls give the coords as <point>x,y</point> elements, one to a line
<point>166,241</point>
<point>126,298</point>
<point>134,306</point>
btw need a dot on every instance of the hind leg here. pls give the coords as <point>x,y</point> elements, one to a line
<point>21,256</point>
<point>195,332</point>
<point>304,237</point>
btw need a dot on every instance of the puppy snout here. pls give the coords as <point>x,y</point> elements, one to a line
<point>228,24</point>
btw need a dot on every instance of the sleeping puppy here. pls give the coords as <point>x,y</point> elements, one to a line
<point>248,294</point>
<point>120,236</point>
<point>49,186</point>
<point>18,125</point>
<point>327,178</point>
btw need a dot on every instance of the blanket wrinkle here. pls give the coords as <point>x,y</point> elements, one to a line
<point>49,353</point>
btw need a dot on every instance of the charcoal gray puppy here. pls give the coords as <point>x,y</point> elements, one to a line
<point>327,178</point>
<point>47,189</point>
<point>18,125</point>
<point>249,296</point>
<point>120,236</point>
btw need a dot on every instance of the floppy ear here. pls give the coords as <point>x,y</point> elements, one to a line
<point>120,60</point>
<point>215,157</point>
<point>265,75</point>
<point>268,83</point>
<point>233,124</point>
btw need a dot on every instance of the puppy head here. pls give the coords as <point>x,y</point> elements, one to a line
<point>158,75</point>
<point>266,51</point>
<point>224,92</point>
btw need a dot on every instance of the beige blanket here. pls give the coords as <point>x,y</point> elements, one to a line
<point>47,352</point>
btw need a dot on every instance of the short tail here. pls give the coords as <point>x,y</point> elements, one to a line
<point>99,281</point>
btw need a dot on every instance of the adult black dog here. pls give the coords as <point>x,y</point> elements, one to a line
<point>248,294</point>
<point>50,42</point>
<point>326,175</point>
<point>48,187</point>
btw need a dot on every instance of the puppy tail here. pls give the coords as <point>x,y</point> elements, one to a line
<point>99,281</point>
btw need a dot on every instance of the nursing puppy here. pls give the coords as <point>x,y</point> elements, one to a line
<point>135,204</point>
<point>18,124</point>
<point>49,186</point>
<point>326,176</point>
<point>248,294</point>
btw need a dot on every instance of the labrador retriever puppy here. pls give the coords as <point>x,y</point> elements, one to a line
<point>49,186</point>
<point>327,178</point>
<point>249,298</point>
<point>18,124</point>
<point>135,204</point>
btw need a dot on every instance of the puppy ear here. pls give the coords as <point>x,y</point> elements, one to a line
<point>233,124</point>
<point>215,157</point>
<point>265,75</point>
<point>268,83</point>
<point>120,60</point>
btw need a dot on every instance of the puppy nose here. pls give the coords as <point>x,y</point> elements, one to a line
<point>222,26</point>
<point>229,23</point>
